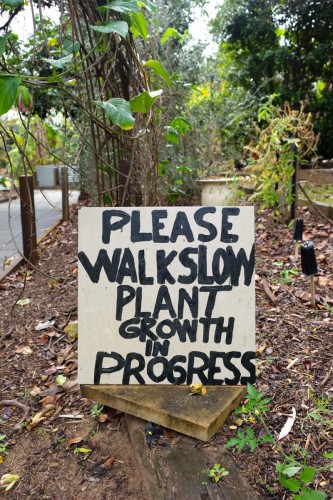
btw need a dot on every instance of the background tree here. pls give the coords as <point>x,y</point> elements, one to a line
<point>282,47</point>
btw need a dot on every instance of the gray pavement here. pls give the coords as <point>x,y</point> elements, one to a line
<point>48,208</point>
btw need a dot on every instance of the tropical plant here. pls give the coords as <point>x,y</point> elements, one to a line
<point>88,63</point>
<point>282,47</point>
<point>286,138</point>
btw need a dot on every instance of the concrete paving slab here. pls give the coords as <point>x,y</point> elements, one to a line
<point>172,406</point>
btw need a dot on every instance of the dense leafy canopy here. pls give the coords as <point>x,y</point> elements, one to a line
<point>283,47</point>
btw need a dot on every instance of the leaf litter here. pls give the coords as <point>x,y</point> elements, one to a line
<point>287,330</point>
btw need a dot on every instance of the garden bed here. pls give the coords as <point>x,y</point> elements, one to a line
<point>293,365</point>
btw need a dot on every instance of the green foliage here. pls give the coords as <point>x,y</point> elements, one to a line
<point>287,137</point>
<point>159,70</point>
<point>121,6</point>
<point>3,41</point>
<point>119,27</point>
<point>284,48</point>
<point>321,410</point>
<point>255,402</point>
<point>178,128</point>
<point>293,475</point>
<point>3,445</point>
<point>139,25</point>
<point>8,91</point>
<point>12,4</point>
<point>59,63</point>
<point>247,438</point>
<point>296,477</point>
<point>119,112</point>
<point>216,473</point>
<point>171,32</point>
<point>96,410</point>
<point>144,101</point>
<point>287,274</point>
<point>180,180</point>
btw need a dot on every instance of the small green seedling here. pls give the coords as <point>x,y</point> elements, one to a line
<point>3,445</point>
<point>286,275</point>
<point>217,472</point>
<point>96,410</point>
<point>82,453</point>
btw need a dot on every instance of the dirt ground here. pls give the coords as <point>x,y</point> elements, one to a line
<point>63,447</point>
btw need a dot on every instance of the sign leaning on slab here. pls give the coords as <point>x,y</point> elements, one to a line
<point>166,295</point>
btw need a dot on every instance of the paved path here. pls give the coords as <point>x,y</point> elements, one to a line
<point>48,207</point>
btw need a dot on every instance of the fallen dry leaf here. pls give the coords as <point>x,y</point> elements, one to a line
<point>102,418</point>
<point>54,369</point>
<point>108,463</point>
<point>71,386</point>
<point>36,419</point>
<point>26,350</point>
<point>44,325</point>
<point>8,481</point>
<point>322,258</point>
<point>74,440</point>
<point>261,349</point>
<point>72,330</point>
<point>288,425</point>
<point>23,302</point>
<point>43,340</point>
<point>70,366</point>
<point>35,390</point>
<point>53,283</point>
<point>48,400</point>
<point>198,389</point>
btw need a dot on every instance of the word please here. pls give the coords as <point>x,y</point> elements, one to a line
<point>180,226</point>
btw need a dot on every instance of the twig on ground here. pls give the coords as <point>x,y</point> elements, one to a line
<point>265,287</point>
<point>326,379</point>
<point>6,335</point>
<point>21,406</point>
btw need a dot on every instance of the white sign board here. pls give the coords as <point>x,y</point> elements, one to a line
<point>166,295</point>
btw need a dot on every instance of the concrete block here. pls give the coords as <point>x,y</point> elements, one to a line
<point>172,406</point>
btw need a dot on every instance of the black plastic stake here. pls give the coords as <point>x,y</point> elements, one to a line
<point>309,267</point>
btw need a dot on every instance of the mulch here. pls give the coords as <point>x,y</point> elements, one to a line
<point>294,367</point>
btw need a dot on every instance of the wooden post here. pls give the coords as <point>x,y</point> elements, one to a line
<point>313,292</point>
<point>64,187</point>
<point>296,251</point>
<point>28,218</point>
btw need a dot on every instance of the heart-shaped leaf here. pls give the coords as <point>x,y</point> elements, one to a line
<point>8,91</point>
<point>171,32</point>
<point>139,25</point>
<point>59,63</point>
<point>159,70</point>
<point>119,27</point>
<point>119,112</point>
<point>121,6</point>
<point>143,102</point>
<point>13,4</point>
